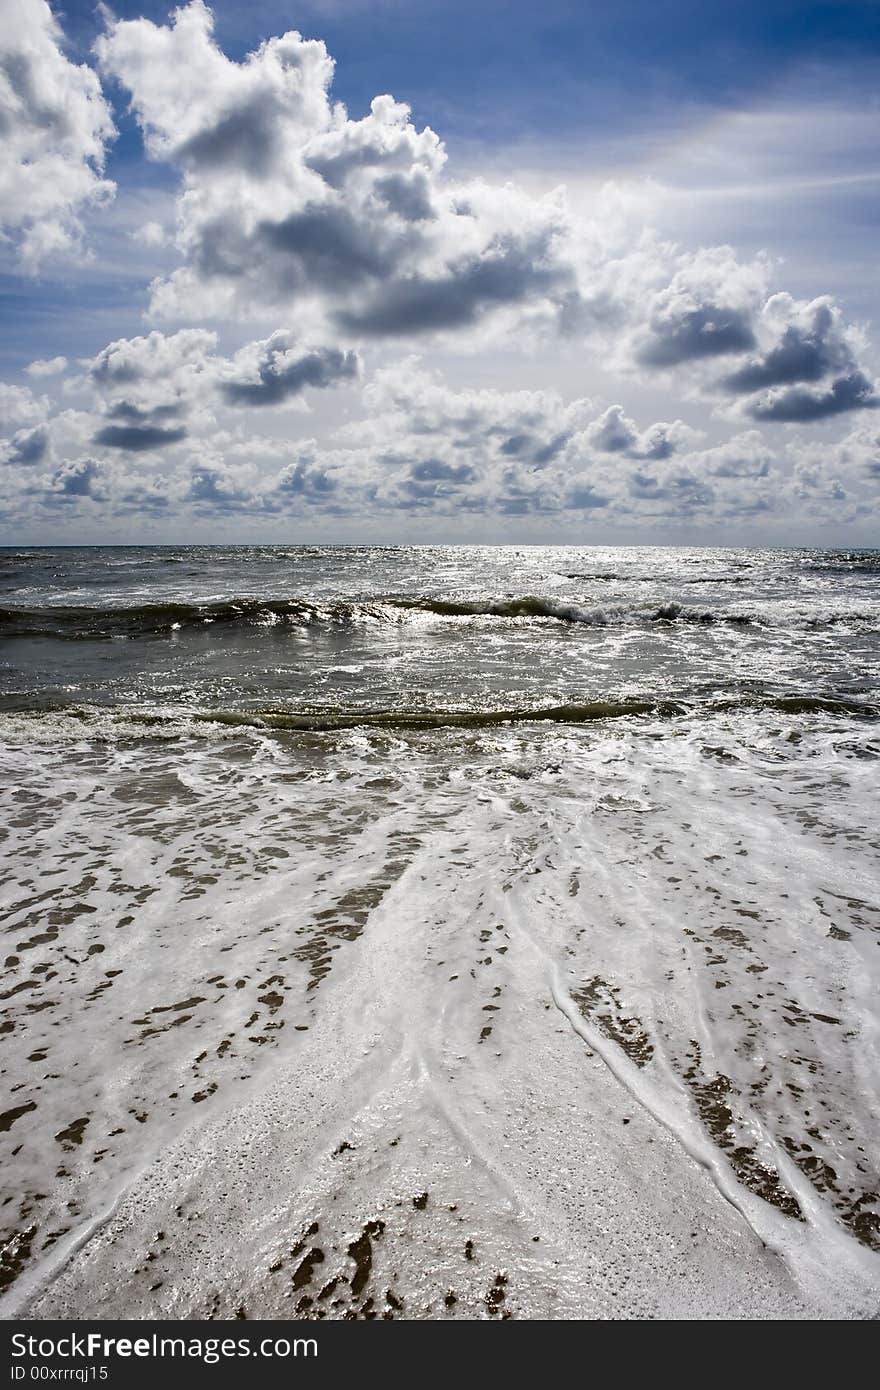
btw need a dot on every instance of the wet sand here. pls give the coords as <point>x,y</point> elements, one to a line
<point>395,1166</point>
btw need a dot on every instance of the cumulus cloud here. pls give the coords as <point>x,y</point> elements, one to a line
<point>523,429</point>
<point>54,127</point>
<point>355,231</point>
<point>151,391</point>
<point>614,432</point>
<point>147,386</point>
<point>810,343</point>
<point>528,452</point>
<point>276,369</point>
<point>19,407</point>
<point>855,459</point>
<point>746,455</point>
<point>860,452</point>
<point>140,363</point>
<point>47,366</point>
<point>286,200</point>
<point>809,369</point>
<point>217,489</point>
<point>706,311</point>
<point>26,447</point>
<point>305,478</point>
<point>508,271</point>
<point>138,437</point>
<point>802,404</point>
<point>75,480</point>
<point>25,439</point>
<point>423,447</point>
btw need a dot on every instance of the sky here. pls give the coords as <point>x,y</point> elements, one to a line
<point>388,271</point>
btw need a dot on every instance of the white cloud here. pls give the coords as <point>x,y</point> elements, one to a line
<point>153,362</point>
<point>287,201</point>
<point>355,232</point>
<point>54,126</point>
<point>147,387</point>
<point>420,448</point>
<point>149,234</point>
<point>614,432</point>
<point>47,366</point>
<point>855,459</point>
<point>706,311</point>
<point>152,391</point>
<point>19,406</point>
<point>528,452</point>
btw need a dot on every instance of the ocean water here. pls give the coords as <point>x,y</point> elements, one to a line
<point>440,932</point>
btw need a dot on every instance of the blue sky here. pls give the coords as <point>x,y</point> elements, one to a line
<point>554,267</point>
<point>565,72</point>
<point>558,67</point>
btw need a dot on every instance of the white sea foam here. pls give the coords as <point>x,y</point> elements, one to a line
<point>608,985</point>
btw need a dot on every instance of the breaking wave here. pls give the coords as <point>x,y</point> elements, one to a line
<point>90,623</point>
<point>78,721</point>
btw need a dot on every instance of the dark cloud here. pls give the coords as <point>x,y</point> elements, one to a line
<point>681,490</point>
<point>147,387</point>
<point>436,471</point>
<point>218,490</point>
<point>615,433</point>
<point>305,479</point>
<point>75,480</point>
<point>531,450</point>
<point>138,438</point>
<point>546,453</point>
<point>458,298</point>
<point>805,352</point>
<point>134,414</point>
<point>286,198</point>
<point>409,195</point>
<point>271,372</point>
<point>327,247</point>
<point>27,447</point>
<point>583,498</point>
<point>709,330</point>
<point>246,136</point>
<point>517,445</point>
<point>799,405</point>
<point>516,506</point>
<point>337,167</point>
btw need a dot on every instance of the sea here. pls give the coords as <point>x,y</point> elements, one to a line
<point>439,931</point>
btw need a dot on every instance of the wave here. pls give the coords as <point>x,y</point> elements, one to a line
<point>850,561</point>
<point>529,606</point>
<point>86,622</point>
<point>164,619</point>
<point>91,721</point>
<point>532,606</point>
<point>707,581</point>
<point>157,619</point>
